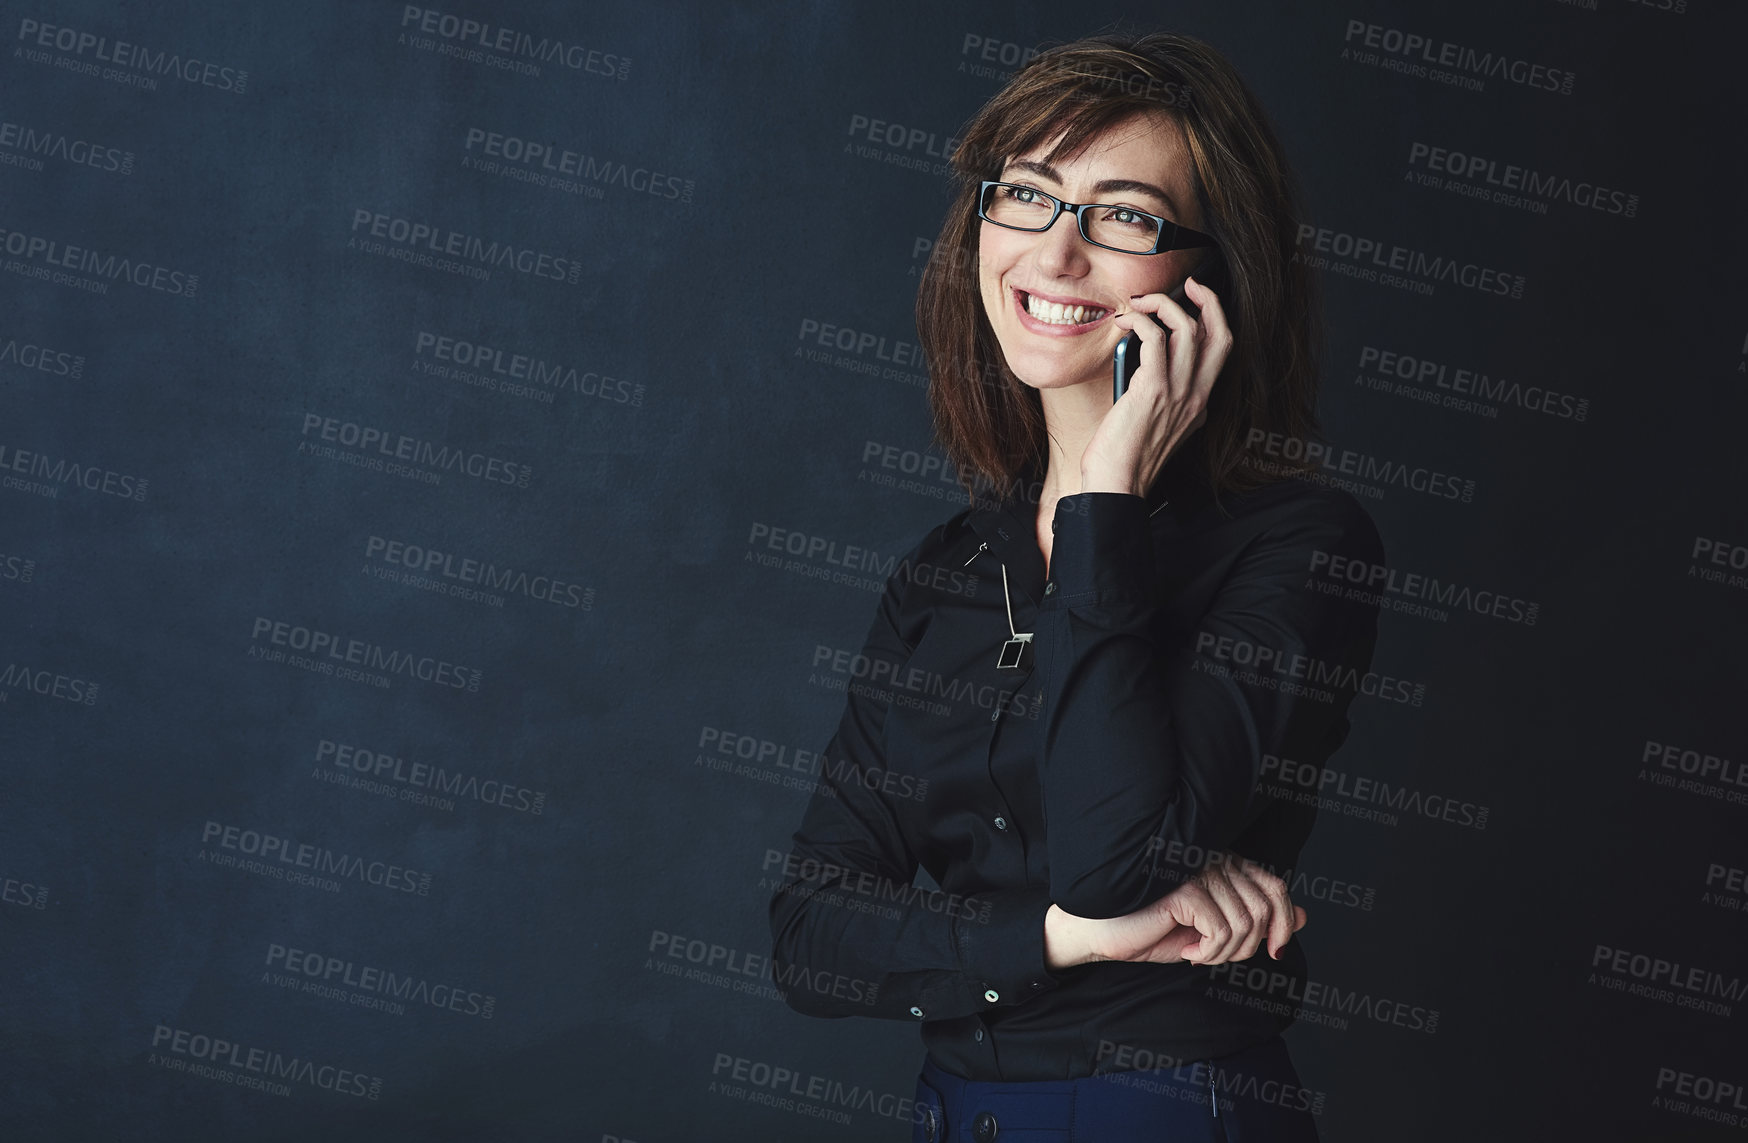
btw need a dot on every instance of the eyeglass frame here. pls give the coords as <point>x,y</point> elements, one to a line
<point>1196,237</point>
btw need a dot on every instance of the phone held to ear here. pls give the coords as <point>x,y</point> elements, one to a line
<point>1127,357</point>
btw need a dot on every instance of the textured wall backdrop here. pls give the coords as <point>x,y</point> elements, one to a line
<point>440,446</point>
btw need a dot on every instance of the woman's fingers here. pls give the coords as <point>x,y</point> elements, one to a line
<point>1234,911</point>
<point>1190,904</point>
<point>1173,346</point>
<point>1256,906</point>
<point>1170,312</point>
<point>1185,350</point>
<point>1263,912</point>
<point>1217,335</point>
<point>1137,322</point>
<point>1283,914</point>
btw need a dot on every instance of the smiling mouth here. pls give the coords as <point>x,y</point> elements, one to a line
<point>1052,313</point>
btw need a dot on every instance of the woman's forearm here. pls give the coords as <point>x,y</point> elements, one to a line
<point>1144,747</point>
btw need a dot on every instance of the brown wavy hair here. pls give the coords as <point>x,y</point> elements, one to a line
<point>991,424</point>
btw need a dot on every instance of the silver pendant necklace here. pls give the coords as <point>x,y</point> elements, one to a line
<point>1013,652</point>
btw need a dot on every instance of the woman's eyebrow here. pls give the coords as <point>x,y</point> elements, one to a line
<point>1104,186</point>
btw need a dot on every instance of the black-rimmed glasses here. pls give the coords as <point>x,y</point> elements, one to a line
<point>1120,228</point>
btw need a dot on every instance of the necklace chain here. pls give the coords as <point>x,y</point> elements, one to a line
<point>1009,600</point>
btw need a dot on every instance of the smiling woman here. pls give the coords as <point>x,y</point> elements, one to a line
<point>1086,746</point>
<point>1162,124</point>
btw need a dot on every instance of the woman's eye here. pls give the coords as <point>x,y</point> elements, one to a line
<point>1131,218</point>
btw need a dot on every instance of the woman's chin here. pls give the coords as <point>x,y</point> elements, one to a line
<point>1055,378</point>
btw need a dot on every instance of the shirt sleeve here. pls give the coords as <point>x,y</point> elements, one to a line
<point>1148,750</point>
<point>852,935</point>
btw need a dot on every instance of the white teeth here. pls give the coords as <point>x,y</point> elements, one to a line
<point>1055,314</point>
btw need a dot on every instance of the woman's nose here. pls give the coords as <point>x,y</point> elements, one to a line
<point>1061,250</point>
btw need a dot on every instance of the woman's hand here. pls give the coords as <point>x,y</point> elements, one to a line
<point>1222,913</point>
<point>1168,397</point>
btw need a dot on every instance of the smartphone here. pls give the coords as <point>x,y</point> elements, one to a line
<point>1127,357</point>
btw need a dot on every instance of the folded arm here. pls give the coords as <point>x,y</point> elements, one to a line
<point>1145,747</point>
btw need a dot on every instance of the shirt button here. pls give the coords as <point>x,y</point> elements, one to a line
<point>978,1035</point>
<point>1001,823</point>
<point>917,1012</point>
<point>991,995</point>
<point>1037,984</point>
<point>995,714</point>
<point>1049,589</point>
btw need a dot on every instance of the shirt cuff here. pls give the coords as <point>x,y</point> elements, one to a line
<point>1003,952</point>
<point>1102,551</point>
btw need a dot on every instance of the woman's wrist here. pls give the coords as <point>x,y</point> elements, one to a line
<point>1064,945</point>
<point>1092,480</point>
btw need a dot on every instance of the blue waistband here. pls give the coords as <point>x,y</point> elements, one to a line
<point>1199,1100</point>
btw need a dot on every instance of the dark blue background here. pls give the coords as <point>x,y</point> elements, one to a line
<point>651,507</point>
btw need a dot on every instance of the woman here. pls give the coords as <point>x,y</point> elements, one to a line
<point>1072,687</point>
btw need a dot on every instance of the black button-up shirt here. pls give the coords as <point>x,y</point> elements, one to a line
<point>1176,643</point>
